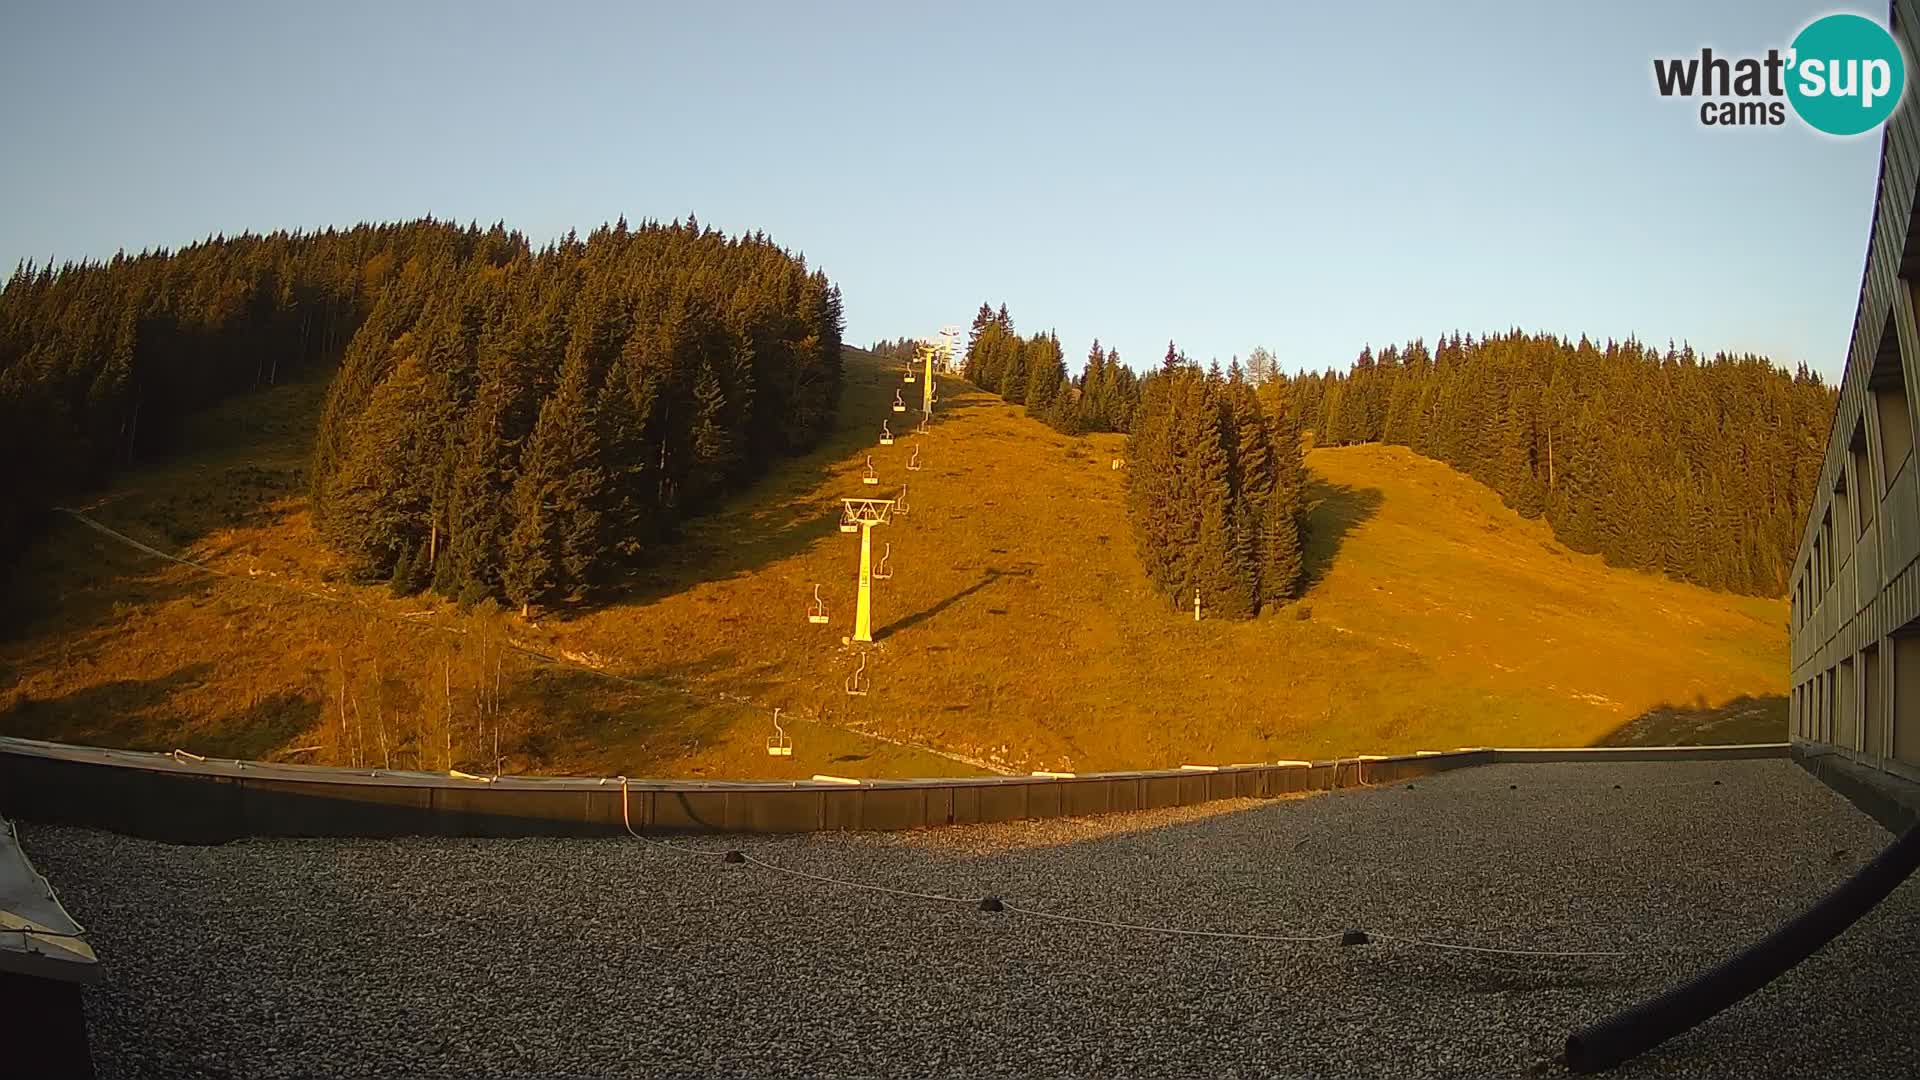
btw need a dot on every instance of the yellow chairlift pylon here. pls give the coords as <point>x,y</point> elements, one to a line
<point>867,513</point>
<point>886,434</point>
<point>859,682</point>
<point>927,395</point>
<point>869,476</point>
<point>913,463</point>
<point>817,611</point>
<point>898,405</point>
<point>779,744</point>
<point>885,570</point>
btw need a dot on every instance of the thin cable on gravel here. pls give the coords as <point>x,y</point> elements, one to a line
<point>432,957</point>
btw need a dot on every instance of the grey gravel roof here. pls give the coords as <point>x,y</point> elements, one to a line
<point>614,958</point>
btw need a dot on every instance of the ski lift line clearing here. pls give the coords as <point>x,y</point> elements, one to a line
<point>817,611</point>
<point>779,744</point>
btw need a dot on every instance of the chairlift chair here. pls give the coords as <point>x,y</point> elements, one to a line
<point>847,522</point>
<point>817,611</point>
<point>869,476</point>
<point>859,682</point>
<point>898,405</point>
<point>779,744</point>
<point>886,434</point>
<point>884,571</point>
<point>913,463</point>
<point>900,503</point>
<point>909,375</point>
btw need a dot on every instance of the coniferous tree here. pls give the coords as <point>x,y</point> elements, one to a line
<point>1700,468</point>
<point>1214,509</point>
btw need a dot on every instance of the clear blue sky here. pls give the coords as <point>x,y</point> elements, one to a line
<point>1307,176</point>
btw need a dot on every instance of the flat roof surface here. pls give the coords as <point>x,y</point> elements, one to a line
<point>613,957</point>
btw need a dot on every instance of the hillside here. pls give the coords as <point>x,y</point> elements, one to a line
<point>1016,634</point>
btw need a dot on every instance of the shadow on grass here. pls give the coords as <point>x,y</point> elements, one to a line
<point>83,583</point>
<point>1333,511</point>
<point>257,731</point>
<point>918,617</point>
<point>118,714</point>
<point>1745,719</point>
<point>782,513</point>
<point>586,723</point>
<point>230,465</point>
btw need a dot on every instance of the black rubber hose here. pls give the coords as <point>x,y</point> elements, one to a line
<point>1634,1031</point>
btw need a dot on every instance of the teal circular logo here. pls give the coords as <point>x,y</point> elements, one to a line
<point>1845,74</point>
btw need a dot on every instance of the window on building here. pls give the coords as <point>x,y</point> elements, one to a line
<point>1826,549</point>
<point>1842,512</point>
<point>1861,480</point>
<point>1903,718</point>
<point>1888,383</point>
<point>1846,727</point>
<point>1873,713</point>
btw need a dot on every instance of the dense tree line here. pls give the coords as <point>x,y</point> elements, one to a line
<point>524,424</point>
<point>1032,371</point>
<point>1661,460</point>
<point>99,361</point>
<point>903,350</point>
<point>504,421</point>
<point>1216,490</point>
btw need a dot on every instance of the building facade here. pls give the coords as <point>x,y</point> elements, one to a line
<point>1855,590</point>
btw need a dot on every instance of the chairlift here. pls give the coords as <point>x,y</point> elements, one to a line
<point>817,611</point>
<point>898,405</point>
<point>886,434</point>
<point>884,571</point>
<point>779,744</point>
<point>847,522</point>
<point>869,476</point>
<point>900,503</point>
<point>859,682</point>
<point>913,463</point>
